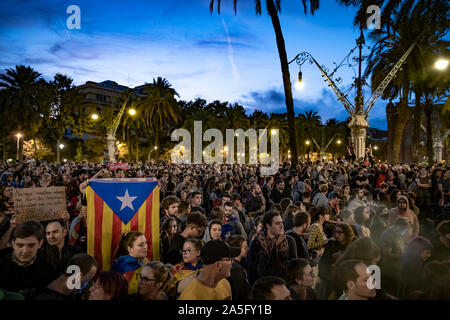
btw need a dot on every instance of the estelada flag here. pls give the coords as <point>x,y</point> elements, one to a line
<point>117,206</point>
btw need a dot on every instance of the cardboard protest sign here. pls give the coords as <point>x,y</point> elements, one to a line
<point>39,203</point>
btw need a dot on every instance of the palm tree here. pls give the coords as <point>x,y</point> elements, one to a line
<point>273,8</point>
<point>160,108</point>
<point>412,23</point>
<point>309,123</point>
<point>23,101</point>
<point>404,22</point>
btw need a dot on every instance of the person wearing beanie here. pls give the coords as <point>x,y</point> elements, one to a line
<point>402,210</point>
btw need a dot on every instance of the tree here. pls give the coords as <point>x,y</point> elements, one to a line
<point>273,8</point>
<point>404,23</point>
<point>160,108</point>
<point>65,109</point>
<point>411,24</point>
<point>23,101</point>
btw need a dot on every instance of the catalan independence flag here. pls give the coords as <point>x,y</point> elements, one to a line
<point>117,206</point>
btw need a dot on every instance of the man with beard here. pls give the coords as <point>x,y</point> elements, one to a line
<point>279,192</point>
<point>271,250</point>
<point>402,210</point>
<point>256,203</point>
<point>232,225</point>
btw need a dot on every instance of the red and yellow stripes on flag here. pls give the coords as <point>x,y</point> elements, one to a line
<point>104,228</point>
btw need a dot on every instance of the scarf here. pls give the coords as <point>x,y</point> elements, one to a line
<point>279,243</point>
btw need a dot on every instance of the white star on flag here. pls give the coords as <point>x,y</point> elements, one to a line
<point>127,201</point>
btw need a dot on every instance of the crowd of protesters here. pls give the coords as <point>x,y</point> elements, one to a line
<point>305,233</point>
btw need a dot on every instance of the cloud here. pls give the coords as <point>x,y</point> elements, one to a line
<point>74,49</point>
<point>326,105</point>
<point>38,60</point>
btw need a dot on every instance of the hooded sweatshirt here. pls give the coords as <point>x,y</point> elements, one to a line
<point>395,214</point>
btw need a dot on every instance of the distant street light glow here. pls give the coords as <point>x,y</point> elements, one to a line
<point>441,64</point>
<point>132,112</point>
<point>94,116</point>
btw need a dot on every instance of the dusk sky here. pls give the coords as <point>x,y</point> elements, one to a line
<point>223,57</point>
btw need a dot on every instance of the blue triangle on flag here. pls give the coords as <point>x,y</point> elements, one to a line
<point>124,198</point>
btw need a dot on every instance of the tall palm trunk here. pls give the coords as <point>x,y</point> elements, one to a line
<point>400,123</point>
<point>417,127</point>
<point>428,111</point>
<point>129,144</point>
<point>58,154</point>
<point>286,80</point>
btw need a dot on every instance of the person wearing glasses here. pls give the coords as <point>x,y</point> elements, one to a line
<point>185,272</point>
<point>109,285</point>
<point>155,282</point>
<point>195,226</point>
<point>211,282</point>
<point>342,236</point>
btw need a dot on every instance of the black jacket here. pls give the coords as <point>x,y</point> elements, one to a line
<point>328,258</point>
<point>173,255</point>
<point>57,260</point>
<point>29,280</point>
<point>263,265</point>
<point>300,242</point>
<point>240,288</point>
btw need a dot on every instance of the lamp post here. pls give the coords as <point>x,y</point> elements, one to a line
<point>359,111</point>
<point>150,153</point>
<point>19,135</point>
<point>307,142</point>
<point>112,128</point>
<point>59,147</point>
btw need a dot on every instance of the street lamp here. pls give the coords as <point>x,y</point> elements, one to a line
<point>339,142</point>
<point>307,142</point>
<point>19,135</point>
<point>94,116</point>
<point>61,146</point>
<point>375,147</point>
<point>358,111</point>
<point>132,112</point>
<point>441,64</point>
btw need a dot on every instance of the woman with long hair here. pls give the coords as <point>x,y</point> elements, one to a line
<point>168,230</point>
<point>342,236</point>
<point>130,256</point>
<point>155,282</point>
<point>109,285</point>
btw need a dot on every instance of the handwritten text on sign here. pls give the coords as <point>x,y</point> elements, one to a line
<point>39,203</point>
